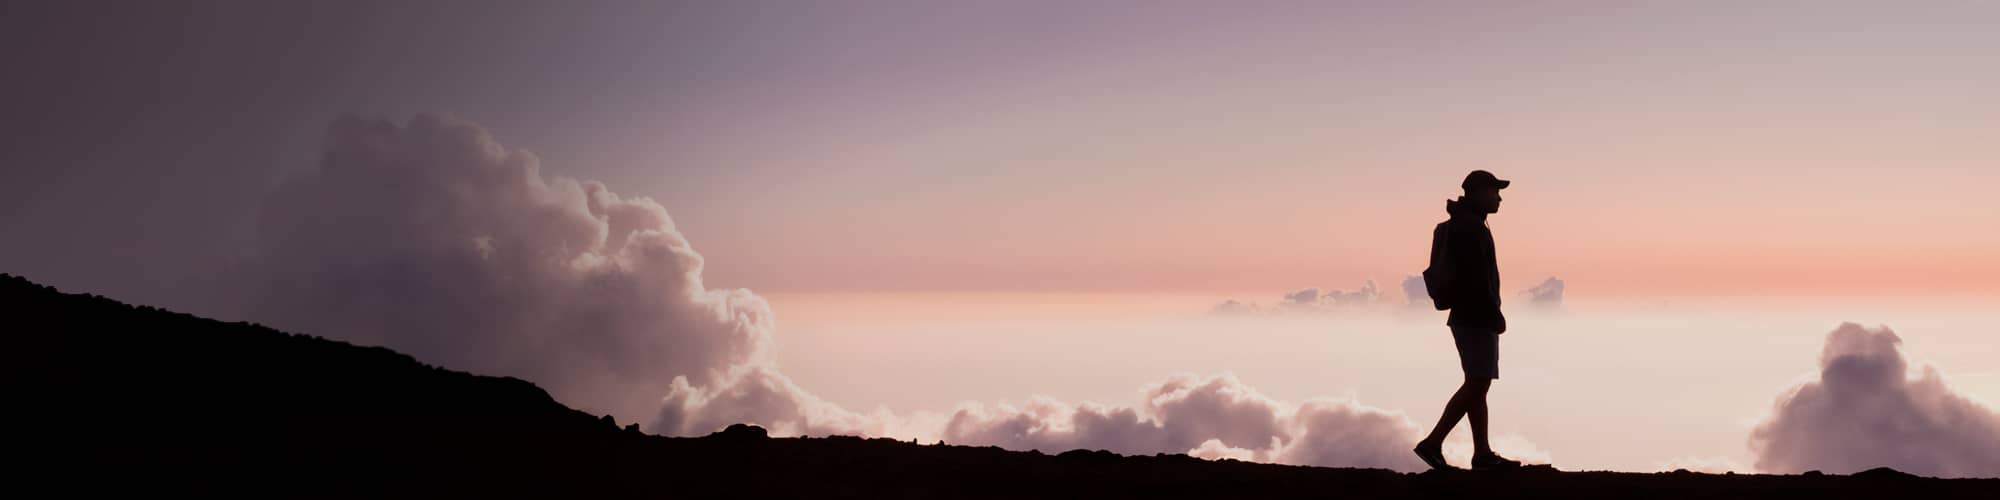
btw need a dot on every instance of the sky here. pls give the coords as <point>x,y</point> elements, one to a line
<point>1044,198</point>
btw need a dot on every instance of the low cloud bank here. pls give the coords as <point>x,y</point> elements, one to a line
<point>1214,417</point>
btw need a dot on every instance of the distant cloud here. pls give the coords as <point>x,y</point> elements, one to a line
<point>1307,300</point>
<point>1314,297</point>
<point>1233,307</point>
<point>1415,294</point>
<point>1548,293</point>
<point>1866,410</point>
<point>1303,297</point>
<point>433,239</point>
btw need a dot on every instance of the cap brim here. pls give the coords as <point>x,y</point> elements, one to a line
<point>1501,183</point>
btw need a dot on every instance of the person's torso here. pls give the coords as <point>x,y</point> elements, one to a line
<point>1476,286</point>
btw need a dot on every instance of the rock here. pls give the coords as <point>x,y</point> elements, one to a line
<point>1884,472</point>
<point>1081,453</point>
<point>740,433</point>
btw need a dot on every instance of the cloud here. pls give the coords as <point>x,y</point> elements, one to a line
<point>1234,307</point>
<point>1303,297</point>
<point>1307,300</point>
<point>1415,294</point>
<point>1213,417</point>
<point>1367,294</point>
<point>1548,293</point>
<point>433,239</point>
<point>1867,410</point>
<point>1213,449</point>
<point>1347,434</point>
<point>1175,415</point>
<point>759,394</point>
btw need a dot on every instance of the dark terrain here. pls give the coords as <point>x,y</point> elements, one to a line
<point>109,398</point>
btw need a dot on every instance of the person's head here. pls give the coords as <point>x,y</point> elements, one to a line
<point>1482,190</point>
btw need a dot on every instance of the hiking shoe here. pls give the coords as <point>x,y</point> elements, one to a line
<point>1432,455</point>
<point>1492,461</point>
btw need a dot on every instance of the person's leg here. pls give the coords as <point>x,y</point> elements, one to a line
<point>1477,351</point>
<point>1470,400</point>
<point>1476,411</point>
<point>1483,457</point>
<point>1431,448</point>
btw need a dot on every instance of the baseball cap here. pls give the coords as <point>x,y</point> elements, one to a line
<point>1482,178</point>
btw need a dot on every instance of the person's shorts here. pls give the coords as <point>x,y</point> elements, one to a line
<point>1478,351</point>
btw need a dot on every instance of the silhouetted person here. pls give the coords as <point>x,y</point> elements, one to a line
<point>1465,278</point>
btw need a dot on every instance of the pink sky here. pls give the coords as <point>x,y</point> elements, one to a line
<point>1663,149</point>
<point>1682,150</point>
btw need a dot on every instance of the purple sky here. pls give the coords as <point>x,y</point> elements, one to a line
<point>1182,145</point>
<point>851,159</point>
<point>141,135</point>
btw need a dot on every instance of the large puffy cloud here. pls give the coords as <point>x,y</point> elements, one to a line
<point>1867,410</point>
<point>433,239</point>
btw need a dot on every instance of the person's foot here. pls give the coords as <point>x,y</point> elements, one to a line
<point>1432,455</point>
<point>1491,461</point>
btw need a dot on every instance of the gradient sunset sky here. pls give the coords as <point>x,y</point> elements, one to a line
<point>1670,148</point>
<point>1015,189</point>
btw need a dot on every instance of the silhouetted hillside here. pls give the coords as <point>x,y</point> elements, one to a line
<point>102,387</point>
<point>103,397</point>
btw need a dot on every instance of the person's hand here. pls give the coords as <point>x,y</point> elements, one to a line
<point>1502,327</point>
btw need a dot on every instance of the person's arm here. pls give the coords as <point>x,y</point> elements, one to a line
<point>1469,289</point>
<point>1473,288</point>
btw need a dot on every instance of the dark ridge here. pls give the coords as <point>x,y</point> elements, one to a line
<point>106,398</point>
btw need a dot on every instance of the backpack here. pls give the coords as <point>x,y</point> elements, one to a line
<point>1438,276</point>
